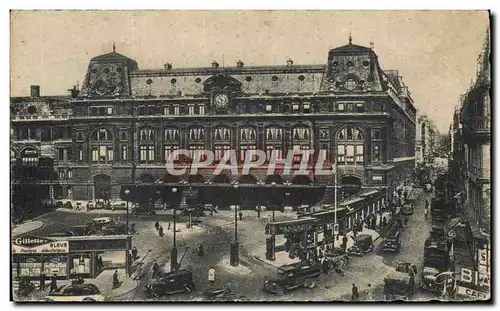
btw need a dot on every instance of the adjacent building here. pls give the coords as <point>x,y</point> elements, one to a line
<point>124,122</point>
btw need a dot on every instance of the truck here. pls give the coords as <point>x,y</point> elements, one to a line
<point>436,260</point>
<point>290,277</point>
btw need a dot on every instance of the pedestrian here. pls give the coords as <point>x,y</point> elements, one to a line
<point>326,266</point>
<point>426,212</point>
<point>42,281</point>
<point>160,231</point>
<point>369,293</point>
<point>406,222</point>
<point>355,293</point>
<point>201,253</point>
<point>116,282</point>
<point>156,269</point>
<point>241,215</point>
<point>211,275</point>
<point>168,228</point>
<point>53,283</point>
<point>344,243</point>
<point>157,225</point>
<point>134,253</point>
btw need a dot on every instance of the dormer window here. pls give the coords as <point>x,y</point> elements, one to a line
<point>307,106</point>
<point>295,107</point>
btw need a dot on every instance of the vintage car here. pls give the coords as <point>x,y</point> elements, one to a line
<point>76,292</point>
<point>115,229</point>
<point>400,284</point>
<point>392,242</point>
<point>407,209</point>
<point>362,244</point>
<point>293,276</point>
<point>171,283</point>
<point>82,230</point>
<point>428,278</point>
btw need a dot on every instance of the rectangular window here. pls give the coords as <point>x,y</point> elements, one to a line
<point>191,109</point>
<point>80,153</point>
<point>269,108</point>
<point>124,153</point>
<point>147,153</point>
<point>143,153</point>
<point>350,154</point>
<point>60,154</point>
<point>341,154</point>
<point>340,107</point>
<point>95,154</point>
<point>151,153</point>
<point>295,107</point>
<point>307,107</point>
<point>110,111</point>
<point>166,110</point>
<point>201,109</point>
<point>70,174</point>
<point>360,107</point>
<point>168,150</point>
<point>61,174</point>
<point>176,110</point>
<point>376,153</point>
<point>359,154</point>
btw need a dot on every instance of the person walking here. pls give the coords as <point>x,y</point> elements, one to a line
<point>211,275</point>
<point>155,269</point>
<point>160,231</point>
<point>355,293</point>
<point>344,243</point>
<point>201,253</point>
<point>369,293</point>
<point>157,225</point>
<point>53,283</point>
<point>426,212</point>
<point>116,282</point>
<point>241,215</point>
<point>134,253</point>
<point>168,228</point>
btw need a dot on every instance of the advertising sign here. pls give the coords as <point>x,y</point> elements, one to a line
<point>471,293</point>
<point>38,245</point>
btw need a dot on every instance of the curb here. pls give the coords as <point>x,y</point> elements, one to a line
<point>137,284</point>
<point>38,227</point>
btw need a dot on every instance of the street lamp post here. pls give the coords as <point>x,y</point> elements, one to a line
<point>127,192</point>
<point>273,184</point>
<point>234,255</point>
<point>173,253</point>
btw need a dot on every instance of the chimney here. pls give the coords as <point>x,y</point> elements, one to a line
<point>35,91</point>
<point>167,66</point>
<point>239,64</point>
<point>215,64</point>
<point>289,62</point>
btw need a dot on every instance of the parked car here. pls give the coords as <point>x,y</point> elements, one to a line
<point>293,276</point>
<point>407,209</point>
<point>171,283</point>
<point>76,292</point>
<point>115,229</point>
<point>82,230</point>
<point>362,244</point>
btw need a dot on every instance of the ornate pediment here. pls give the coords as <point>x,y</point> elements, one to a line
<point>222,82</point>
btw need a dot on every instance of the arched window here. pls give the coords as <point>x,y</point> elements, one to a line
<point>274,142</point>
<point>248,144</point>
<point>171,137</point>
<point>147,134</point>
<point>222,133</point>
<point>171,134</point>
<point>196,133</point>
<point>30,156</point>
<point>102,135</point>
<point>350,146</point>
<point>301,137</point>
<point>102,146</point>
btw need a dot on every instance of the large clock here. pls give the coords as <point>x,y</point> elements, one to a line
<point>221,101</point>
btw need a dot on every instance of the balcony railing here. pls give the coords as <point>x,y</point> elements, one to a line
<point>33,117</point>
<point>478,124</point>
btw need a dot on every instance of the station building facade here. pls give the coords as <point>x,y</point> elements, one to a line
<point>124,122</point>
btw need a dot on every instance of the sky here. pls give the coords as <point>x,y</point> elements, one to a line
<point>434,51</point>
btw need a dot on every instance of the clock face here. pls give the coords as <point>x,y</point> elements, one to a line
<point>221,101</point>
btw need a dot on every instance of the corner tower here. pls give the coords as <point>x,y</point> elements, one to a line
<point>352,68</point>
<point>108,76</point>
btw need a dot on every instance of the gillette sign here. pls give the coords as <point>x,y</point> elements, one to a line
<point>38,245</point>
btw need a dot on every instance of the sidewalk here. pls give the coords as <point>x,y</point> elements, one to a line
<point>103,281</point>
<point>26,227</point>
<point>109,211</point>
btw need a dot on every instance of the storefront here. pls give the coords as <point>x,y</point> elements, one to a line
<point>65,257</point>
